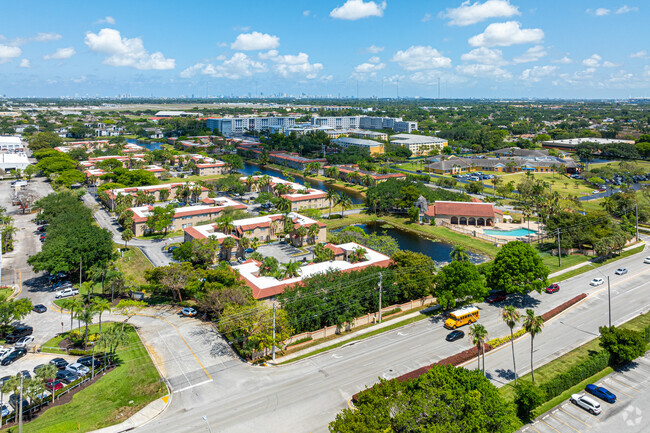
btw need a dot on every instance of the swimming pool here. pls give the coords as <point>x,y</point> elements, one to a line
<point>514,233</point>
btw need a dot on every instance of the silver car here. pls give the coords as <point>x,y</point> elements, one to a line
<point>587,403</point>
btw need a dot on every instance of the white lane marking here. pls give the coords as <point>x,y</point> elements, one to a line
<point>192,386</point>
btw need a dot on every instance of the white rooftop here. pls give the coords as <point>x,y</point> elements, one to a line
<point>301,219</point>
<point>10,139</point>
<point>415,139</point>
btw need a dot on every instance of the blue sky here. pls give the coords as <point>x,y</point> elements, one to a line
<point>484,48</point>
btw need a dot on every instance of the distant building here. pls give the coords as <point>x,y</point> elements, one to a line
<point>299,196</point>
<point>176,114</point>
<point>362,133</point>
<point>571,143</point>
<point>10,143</point>
<point>112,194</point>
<point>292,160</point>
<point>460,213</point>
<point>419,145</point>
<point>506,164</point>
<point>365,122</point>
<point>210,168</point>
<point>345,170</point>
<point>338,122</point>
<point>229,126</point>
<point>373,147</point>
<point>13,161</point>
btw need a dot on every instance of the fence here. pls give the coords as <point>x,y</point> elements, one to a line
<point>473,233</point>
<point>359,321</point>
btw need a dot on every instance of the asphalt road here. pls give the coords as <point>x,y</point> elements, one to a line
<point>306,395</point>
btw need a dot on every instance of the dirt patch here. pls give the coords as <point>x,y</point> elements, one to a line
<point>65,344</point>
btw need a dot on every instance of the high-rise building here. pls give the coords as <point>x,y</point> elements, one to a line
<point>239,125</point>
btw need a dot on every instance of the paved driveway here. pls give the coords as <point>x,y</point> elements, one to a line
<point>285,253</point>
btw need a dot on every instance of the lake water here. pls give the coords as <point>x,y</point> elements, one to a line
<point>250,169</point>
<point>438,251</point>
<point>150,146</point>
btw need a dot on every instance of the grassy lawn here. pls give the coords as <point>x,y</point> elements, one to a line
<point>5,293</point>
<point>591,266</point>
<point>107,401</point>
<point>349,220</point>
<point>193,178</point>
<point>133,264</point>
<point>567,261</point>
<point>167,236</point>
<point>573,187</point>
<point>640,163</point>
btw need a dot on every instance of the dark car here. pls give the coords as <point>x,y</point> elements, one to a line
<point>553,288</point>
<point>601,393</point>
<point>455,335</point>
<point>13,401</point>
<point>496,297</point>
<point>39,308</point>
<point>88,361</point>
<point>171,248</point>
<point>42,228</point>
<point>18,333</point>
<point>66,376</point>
<point>59,363</point>
<point>16,354</point>
<point>25,374</point>
<point>38,367</point>
<point>4,379</point>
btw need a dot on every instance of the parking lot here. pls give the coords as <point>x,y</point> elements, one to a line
<point>629,414</point>
<point>285,253</point>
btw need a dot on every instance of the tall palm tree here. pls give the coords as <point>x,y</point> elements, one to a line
<point>459,254</point>
<point>85,315</point>
<point>533,325</point>
<point>100,305</point>
<point>302,232</point>
<point>227,245</point>
<point>73,305</point>
<point>511,316</point>
<point>478,333</point>
<point>291,269</point>
<point>367,180</point>
<point>284,205</point>
<point>345,202</point>
<point>225,225</point>
<point>331,196</point>
<point>196,192</point>
<point>242,244</point>
<point>313,230</point>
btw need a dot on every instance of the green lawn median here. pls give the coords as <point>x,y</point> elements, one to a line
<point>116,396</point>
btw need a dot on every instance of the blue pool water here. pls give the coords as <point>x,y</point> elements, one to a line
<point>514,233</point>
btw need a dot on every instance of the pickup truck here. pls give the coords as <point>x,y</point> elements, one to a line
<point>70,291</point>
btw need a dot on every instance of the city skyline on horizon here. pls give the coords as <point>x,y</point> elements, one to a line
<point>485,49</point>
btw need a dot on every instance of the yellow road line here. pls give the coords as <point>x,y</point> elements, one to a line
<point>558,419</point>
<point>350,405</point>
<point>574,417</point>
<point>541,420</point>
<point>531,426</point>
<point>624,384</point>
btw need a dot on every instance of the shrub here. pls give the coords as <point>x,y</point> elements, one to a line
<point>527,398</point>
<point>576,374</point>
<point>79,352</point>
<point>557,310</point>
<point>496,342</point>
<point>624,345</point>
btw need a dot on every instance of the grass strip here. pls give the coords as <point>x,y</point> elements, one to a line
<point>591,266</point>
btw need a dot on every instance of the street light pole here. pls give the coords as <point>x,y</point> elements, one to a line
<point>636,213</point>
<point>380,278</point>
<point>205,418</point>
<point>559,251</point>
<point>273,348</point>
<point>609,301</point>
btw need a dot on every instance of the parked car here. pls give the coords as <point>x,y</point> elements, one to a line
<point>596,282</point>
<point>42,237</point>
<point>66,376</point>
<point>621,271</point>
<point>18,333</point>
<point>171,248</point>
<point>553,288</point>
<point>16,354</point>
<point>70,291</point>
<point>88,361</point>
<point>13,401</point>
<point>59,363</point>
<point>647,260</point>
<point>586,403</point>
<point>5,410</point>
<point>4,352</point>
<point>601,393</point>
<point>455,335</point>
<point>53,384</point>
<point>25,374</point>
<point>496,297</point>
<point>25,341</point>
<point>4,379</point>
<point>78,369</point>
<point>42,228</point>
<point>188,312</point>
<point>39,308</point>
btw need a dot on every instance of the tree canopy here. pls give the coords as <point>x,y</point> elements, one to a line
<point>517,268</point>
<point>459,281</point>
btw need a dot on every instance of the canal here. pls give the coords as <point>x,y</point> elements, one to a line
<point>250,169</point>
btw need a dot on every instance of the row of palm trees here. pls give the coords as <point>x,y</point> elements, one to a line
<point>532,324</point>
<point>86,312</point>
<point>337,198</point>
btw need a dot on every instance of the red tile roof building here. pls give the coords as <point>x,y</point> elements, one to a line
<point>461,213</point>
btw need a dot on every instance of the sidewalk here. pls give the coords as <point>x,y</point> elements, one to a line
<point>351,335</point>
<point>589,262</point>
<point>142,417</point>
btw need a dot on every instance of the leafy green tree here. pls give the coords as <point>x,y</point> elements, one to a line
<point>414,214</point>
<point>474,187</point>
<point>459,281</point>
<point>414,273</point>
<point>517,268</point>
<point>623,345</point>
<point>12,310</point>
<point>30,171</point>
<point>511,317</point>
<point>444,399</point>
<point>127,235</point>
<point>44,140</point>
<point>70,177</point>
<point>100,305</point>
<point>171,279</point>
<point>459,253</point>
<point>533,325</point>
<point>528,396</point>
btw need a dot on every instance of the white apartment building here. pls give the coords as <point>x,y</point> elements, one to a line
<point>338,122</point>
<point>10,143</point>
<point>229,126</point>
<point>419,145</point>
<point>365,122</point>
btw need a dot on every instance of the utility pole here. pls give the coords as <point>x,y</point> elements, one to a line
<point>20,406</point>
<point>559,250</point>
<point>609,301</point>
<point>636,212</point>
<point>273,348</point>
<point>380,280</point>
<point>92,374</point>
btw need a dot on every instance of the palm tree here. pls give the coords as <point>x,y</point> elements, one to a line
<point>345,202</point>
<point>302,232</point>
<point>227,245</point>
<point>163,194</point>
<point>73,305</point>
<point>459,254</point>
<point>313,231</point>
<point>242,245</point>
<point>10,385</point>
<point>196,192</point>
<point>527,210</point>
<point>511,316</point>
<point>609,204</point>
<point>331,195</point>
<point>86,315</point>
<point>225,225</point>
<point>140,198</point>
<point>127,235</point>
<point>100,305</point>
<point>533,325</point>
<point>478,333</point>
<point>291,269</point>
<point>367,180</point>
<point>496,181</point>
<point>284,205</point>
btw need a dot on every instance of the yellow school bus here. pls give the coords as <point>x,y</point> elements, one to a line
<point>464,316</point>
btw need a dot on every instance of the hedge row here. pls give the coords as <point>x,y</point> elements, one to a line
<point>575,374</point>
<point>496,342</point>
<point>560,308</point>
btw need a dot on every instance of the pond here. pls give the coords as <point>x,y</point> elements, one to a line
<point>438,251</point>
<point>149,146</point>
<point>250,169</point>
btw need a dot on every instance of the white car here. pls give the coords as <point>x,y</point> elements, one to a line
<point>4,352</point>
<point>587,403</point>
<point>596,282</point>
<point>647,260</point>
<point>70,291</point>
<point>23,342</point>
<point>621,271</point>
<point>78,369</point>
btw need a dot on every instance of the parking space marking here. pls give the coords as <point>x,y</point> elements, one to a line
<point>575,418</point>
<point>535,429</point>
<point>618,389</point>
<point>558,419</point>
<point>553,428</point>
<point>626,385</point>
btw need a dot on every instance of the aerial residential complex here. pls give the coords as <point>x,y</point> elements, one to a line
<point>240,125</point>
<point>112,194</point>
<point>419,145</point>
<point>373,147</point>
<point>299,196</point>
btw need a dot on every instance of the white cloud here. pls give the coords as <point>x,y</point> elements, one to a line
<point>419,57</point>
<point>506,34</point>
<point>592,61</point>
<point>426,17</point>
<point>7,53</point>
<point>564,60</point>
<point>46,37</point>
<point>471,13</point>
<point>608,64</point>
<point>288,64</point>
<point>374,49</point>
<point>106,20</point>
<point>306,13</point>
<point>357,9</point>
<point>533,54</point>
<point>61,53</point>
<point>484,56</point>
<point>536,73</point>
<point>626,9</point>
<point>643,54</point>
<point>374,59</point>
<point>600,12</point>
<point>365,68</point>
<point>255,41</point>
<point>24,63</point>
<point>484,71</point>
<point>238,66</point>
<point>123,51</point>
